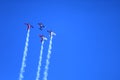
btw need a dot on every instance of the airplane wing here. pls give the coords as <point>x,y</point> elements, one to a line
<point>41,39</point>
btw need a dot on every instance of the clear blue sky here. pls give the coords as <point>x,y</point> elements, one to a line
<point>86,47</point>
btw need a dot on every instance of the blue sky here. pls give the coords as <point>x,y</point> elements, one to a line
<point>86,47</point>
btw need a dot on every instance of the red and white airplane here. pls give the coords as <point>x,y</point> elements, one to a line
<point>51,32</point>
<point>28,26</point>
<point>42,37</point>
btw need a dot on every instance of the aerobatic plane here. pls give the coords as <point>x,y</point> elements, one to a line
<point>51,32</point>
<point>28,26</point>
<point>42,37</point>
<point>41,25</point>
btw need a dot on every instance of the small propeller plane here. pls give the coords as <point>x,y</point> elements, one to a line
<point>28,26</point>
<point>42,37</point>
<point>41,25</point>
<point>51,32</point>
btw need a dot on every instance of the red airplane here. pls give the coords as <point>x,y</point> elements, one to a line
<point>41,26</point>
<point>51,32</point>
<point>28,26</point>
<point>42,37</point>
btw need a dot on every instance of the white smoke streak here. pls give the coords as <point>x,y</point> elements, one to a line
<point>48,59</point>
<point>40,60</point>
<point>22,70</point>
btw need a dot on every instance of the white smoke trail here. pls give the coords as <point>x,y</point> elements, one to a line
<point>40,60</point>
<point>48,58</point>
<point>22,70</point>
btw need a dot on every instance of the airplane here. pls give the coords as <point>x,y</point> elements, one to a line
<point>51,32</point>
<point>41,26</point>
<point>42,37</point>
<point>28,26</point>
